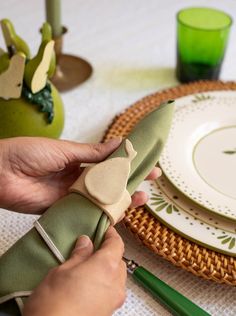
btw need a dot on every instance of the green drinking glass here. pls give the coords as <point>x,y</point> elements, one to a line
<point>202,36</point>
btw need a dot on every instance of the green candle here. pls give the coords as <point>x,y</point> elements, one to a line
<point>53,16</point>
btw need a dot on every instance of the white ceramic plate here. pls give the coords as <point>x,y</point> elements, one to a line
<point>200,155</point>
<point>188,219</point>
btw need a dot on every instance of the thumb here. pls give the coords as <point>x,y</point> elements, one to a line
<point>76,152</point>
<point>82,251</point>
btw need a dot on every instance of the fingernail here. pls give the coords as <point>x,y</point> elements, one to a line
<point>116,140</point>
<point>82,242</point>
<point>159,172</point>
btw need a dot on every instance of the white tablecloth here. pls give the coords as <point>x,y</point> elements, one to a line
<point>131,45</point>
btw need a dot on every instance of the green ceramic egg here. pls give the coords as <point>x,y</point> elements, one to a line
<point>19,117</point>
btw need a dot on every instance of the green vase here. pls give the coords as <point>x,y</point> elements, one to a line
<point>19,117</point>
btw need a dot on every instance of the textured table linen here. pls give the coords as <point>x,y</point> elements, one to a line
<point>131,45</point>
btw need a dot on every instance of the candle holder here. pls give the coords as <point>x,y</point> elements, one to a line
<point>71,71</point>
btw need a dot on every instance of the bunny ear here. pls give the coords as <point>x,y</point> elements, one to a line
<point>46,32</point>
<point>47,36</point>
<point>11,80</point>
<point>12,39</point>
<point>130,150</point>
<point>36,70</point>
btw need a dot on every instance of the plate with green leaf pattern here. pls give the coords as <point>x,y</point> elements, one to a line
<point>188,218</point>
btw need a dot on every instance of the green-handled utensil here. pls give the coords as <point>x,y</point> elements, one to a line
<point>175,302</point>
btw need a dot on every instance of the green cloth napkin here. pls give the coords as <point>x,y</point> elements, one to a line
<point>27,262</point>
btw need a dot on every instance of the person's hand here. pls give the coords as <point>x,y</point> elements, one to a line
<point>35,172</point>
<point>85,285</point>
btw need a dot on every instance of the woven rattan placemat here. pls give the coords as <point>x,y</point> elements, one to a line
<point>156,236</point>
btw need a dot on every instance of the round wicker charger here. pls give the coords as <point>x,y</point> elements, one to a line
<point>153,234</point>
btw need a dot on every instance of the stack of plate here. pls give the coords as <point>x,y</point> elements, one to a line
<point>196,196</point>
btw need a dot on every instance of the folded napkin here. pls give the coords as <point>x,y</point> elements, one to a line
<point>28,261</point>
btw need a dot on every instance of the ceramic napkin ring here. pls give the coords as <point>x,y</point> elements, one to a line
<point>105,183</point>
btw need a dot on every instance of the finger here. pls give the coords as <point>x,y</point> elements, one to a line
<point>120,284</point>
<point>82,251</point>
<point>123,273</point>
<point>112,247</point>
<point>139,198</point>
<point>154,174</point>
<point>75,152</point>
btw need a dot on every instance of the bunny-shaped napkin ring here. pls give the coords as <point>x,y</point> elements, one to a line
<point>105,184</point>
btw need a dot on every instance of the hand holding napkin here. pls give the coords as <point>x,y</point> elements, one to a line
<point>27,262</point>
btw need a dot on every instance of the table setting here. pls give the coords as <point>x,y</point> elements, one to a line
<point>173,106</point>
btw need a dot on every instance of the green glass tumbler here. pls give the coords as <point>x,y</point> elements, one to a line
<point>202,36</point>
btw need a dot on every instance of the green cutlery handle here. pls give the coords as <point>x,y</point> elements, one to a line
<point>178,304</point>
